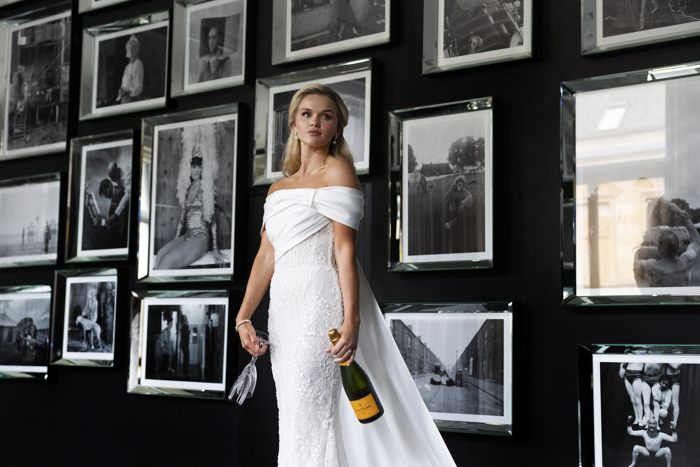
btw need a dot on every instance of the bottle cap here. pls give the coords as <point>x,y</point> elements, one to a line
<point>334,336</point>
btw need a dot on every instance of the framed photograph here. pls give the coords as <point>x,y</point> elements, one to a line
<point>35,69</point>
<point>84,317</point>
<point>210,38</point>
<point>125,66</point>
<point>353,81</point>
<point>188,186</point>
<point>467,33</point>
<point>100,196</point>
<point>637,206</point>
<point>25,318</point>
<point>29,209</point>
<point>178,343</point>
<point>89,5</point>
<point>616,24</point>
<point>638,404</point>
<point>461,358</point>
<point>303,29</point>
<point>442,186</point>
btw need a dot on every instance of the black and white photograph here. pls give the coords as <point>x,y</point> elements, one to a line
<point>177,357</point>
<point>36,91</point>
<point>192,202</point>
<point>129,69</point>
<point>90,318</point>
<point>353,88</point>
<point>105,194</point>
<point>626,23</point>
<point>215,49</point>
<point>29,223</point>
<point>637,201</point>
<point>322,27</point>
<point>474,32</point>
<point>460,362</point>
<point>447,188</point>
<point>645,409</point>
<point>24,332</point>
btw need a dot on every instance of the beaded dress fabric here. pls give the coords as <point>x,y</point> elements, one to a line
<point>317,425</point>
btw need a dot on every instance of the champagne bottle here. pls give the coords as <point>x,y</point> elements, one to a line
<point>358,387</point>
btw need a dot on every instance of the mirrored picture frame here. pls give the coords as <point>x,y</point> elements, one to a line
<point>473,34</point>
<point>84,318</point>
<point>89,5</point>
<point>460,356</point>
<point>34,98</point>
<point>630,395</point>
<point>631,139</point>
<point>352,80</point>
<point>8,2</point>
<point>138,48</point>
<point>617,24</point>
<point>178,343</point>
<point>29,209</point>
<point>210,45</point>
<point>303,29</point>
<point>441,213</point>
<point>25,321</point>
<point>194,231</point>
<point>99,197</point>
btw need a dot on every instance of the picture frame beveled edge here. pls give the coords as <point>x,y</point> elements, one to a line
<point>396,119</point>
<point>135,365</point>
<point>615,80</point>
<point>88,68</point>
<point>148,125</point>
<point>509,307</point>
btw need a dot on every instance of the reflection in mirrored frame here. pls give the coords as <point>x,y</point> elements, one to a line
<point>89,5</point>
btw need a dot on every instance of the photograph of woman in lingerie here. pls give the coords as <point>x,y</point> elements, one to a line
<point>191,239</point>
<point>308,242</point>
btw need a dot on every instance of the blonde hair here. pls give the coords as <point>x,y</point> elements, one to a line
<point>339,150</point>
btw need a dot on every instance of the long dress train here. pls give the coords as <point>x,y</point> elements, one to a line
<point>318,427</point>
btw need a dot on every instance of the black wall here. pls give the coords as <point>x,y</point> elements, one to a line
<point>85,417</point>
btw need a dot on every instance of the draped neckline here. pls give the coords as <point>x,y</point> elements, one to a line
<point>321,188</point>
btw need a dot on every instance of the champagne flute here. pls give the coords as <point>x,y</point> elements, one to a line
<point>245,384</point>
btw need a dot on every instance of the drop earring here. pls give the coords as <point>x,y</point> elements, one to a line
<point>335,140</point>
<point>295,134</point>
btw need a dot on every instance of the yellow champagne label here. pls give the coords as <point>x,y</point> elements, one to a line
<point>365,408</point>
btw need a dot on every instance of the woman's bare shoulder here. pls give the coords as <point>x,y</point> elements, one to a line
<point>340,173</point>
<point>278,185</point>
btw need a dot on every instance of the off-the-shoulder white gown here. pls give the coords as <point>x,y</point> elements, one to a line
<point>318,427</point>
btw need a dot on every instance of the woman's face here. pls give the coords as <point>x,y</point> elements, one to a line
<point>196,171</point>
<point>316,121</point>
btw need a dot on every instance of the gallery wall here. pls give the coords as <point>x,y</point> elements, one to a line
<point>84,416</point>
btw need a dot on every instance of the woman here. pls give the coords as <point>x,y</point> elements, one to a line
<point>132,79</point>
<point>631,373</point>
<point>164,348</point>
<point>196,192</point>
<point>307,258</point>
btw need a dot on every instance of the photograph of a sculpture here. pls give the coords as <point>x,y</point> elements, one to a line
<point>24,332</point>
<point>354,88</point>
<point>185,343</point>
<point>647,411</point>
<point>447,187</point>
<point>90,318</point>
<point>324,26</point>
<point>193,204</point>
<point>36,107</point>
<point>621,17</point>
<point>216,43</point>
<point>105,194</point>
<point>637,200</point>
<point>29,227</point>
<point>474,30</point>
<point>130,69</point>
<point>458,361</point>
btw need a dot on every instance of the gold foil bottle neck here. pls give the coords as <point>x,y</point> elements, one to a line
<point>334,336</point>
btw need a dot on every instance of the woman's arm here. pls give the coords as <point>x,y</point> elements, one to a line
<point>258,283</point>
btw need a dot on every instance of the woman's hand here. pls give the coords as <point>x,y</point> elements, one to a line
<point>249,340</point>
<point>219,257</point>
<point>346,348</point>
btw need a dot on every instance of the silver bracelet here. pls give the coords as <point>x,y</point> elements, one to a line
<point>244,321</point>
